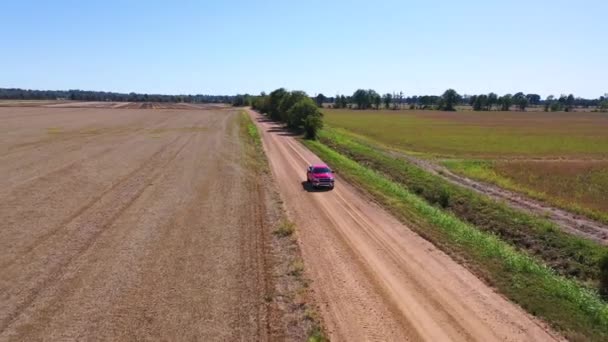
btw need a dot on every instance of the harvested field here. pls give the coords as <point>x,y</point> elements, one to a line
<point>109,104</point>
<point>29,103</point>
<point>133,225</point>
<point>160,105</point>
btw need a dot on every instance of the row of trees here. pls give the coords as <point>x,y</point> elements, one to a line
<point>294,108</point>
<point>87,95</point>
<point>361,98</point>
<point>367,99</point>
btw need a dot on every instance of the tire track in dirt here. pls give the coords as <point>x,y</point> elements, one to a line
<point>120,183</point>
<point>37,189</point>
<point>115,140</point>
<point>63,291</point>
<point>78,136</point>
<point>377,280</point>
<point>68,171</point>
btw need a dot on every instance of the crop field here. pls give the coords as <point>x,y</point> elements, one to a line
<point>559,158</point>
<point>112,228</point>
<point>580,186</point>
<point>583,182</point>
<point>106,104</point>
<point>485,135</point>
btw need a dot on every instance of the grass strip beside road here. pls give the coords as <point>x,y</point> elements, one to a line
<point>567,305</point>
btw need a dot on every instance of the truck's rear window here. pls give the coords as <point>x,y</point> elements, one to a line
<point>321,170</point>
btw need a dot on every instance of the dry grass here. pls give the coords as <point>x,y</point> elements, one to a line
<point>285,228</point>
<point>580,186</point>
<point>297,268</point>
<point>566,183</point>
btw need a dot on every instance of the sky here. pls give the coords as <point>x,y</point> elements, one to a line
<point>330,47</point>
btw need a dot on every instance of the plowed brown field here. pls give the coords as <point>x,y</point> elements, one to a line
<point>130,225</point>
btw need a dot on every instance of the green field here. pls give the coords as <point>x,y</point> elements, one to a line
<point>560,158</point>
<point>481,134</point>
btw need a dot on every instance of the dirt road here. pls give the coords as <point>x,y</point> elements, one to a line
<point>129,225</point>
<point>377,280</point>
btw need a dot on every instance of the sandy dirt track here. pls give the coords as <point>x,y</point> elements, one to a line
<point>374,278</point>
<point>129,225</point>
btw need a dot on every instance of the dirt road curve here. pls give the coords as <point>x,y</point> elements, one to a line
<point>377,280</point>
<point>128,225</point>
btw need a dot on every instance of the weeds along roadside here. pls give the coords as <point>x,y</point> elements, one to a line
<point>502,258</point>
<point>293,293</point>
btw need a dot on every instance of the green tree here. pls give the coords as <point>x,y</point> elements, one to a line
<point>274,101</point>
<point>241,100</point>
<point>548,102</point>
<point>288,101</point>
<point>449,100</point>
<point>375,98</point>
<point>563,101</point>
<point>337,102</point>
<point>533,99</point>
<point>387,99</point>
<point>299,111</point>
<point>343,101</point>
<point>312,125</point>
<point>320,99</point>
<point>362,98</point>
<point>492,100</point>
<point>428,102</point>
<point>505,102</point>
<point>470,99</point>
<point>480,102</point>
<point>521,101</point>
<point>569,103</point>
<point>260,103</point>
<point>558,105</point>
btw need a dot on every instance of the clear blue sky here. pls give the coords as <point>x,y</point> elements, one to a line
<point>227,47</point>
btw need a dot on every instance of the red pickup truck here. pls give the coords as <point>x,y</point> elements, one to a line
<point>320,175</point>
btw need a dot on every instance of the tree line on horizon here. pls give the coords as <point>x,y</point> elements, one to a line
<point>370,99</point>
<point>88,95</point>
<point>360,99</point>
<point>448,101</point>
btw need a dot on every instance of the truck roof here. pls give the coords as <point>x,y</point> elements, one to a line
<point>319,165</point>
